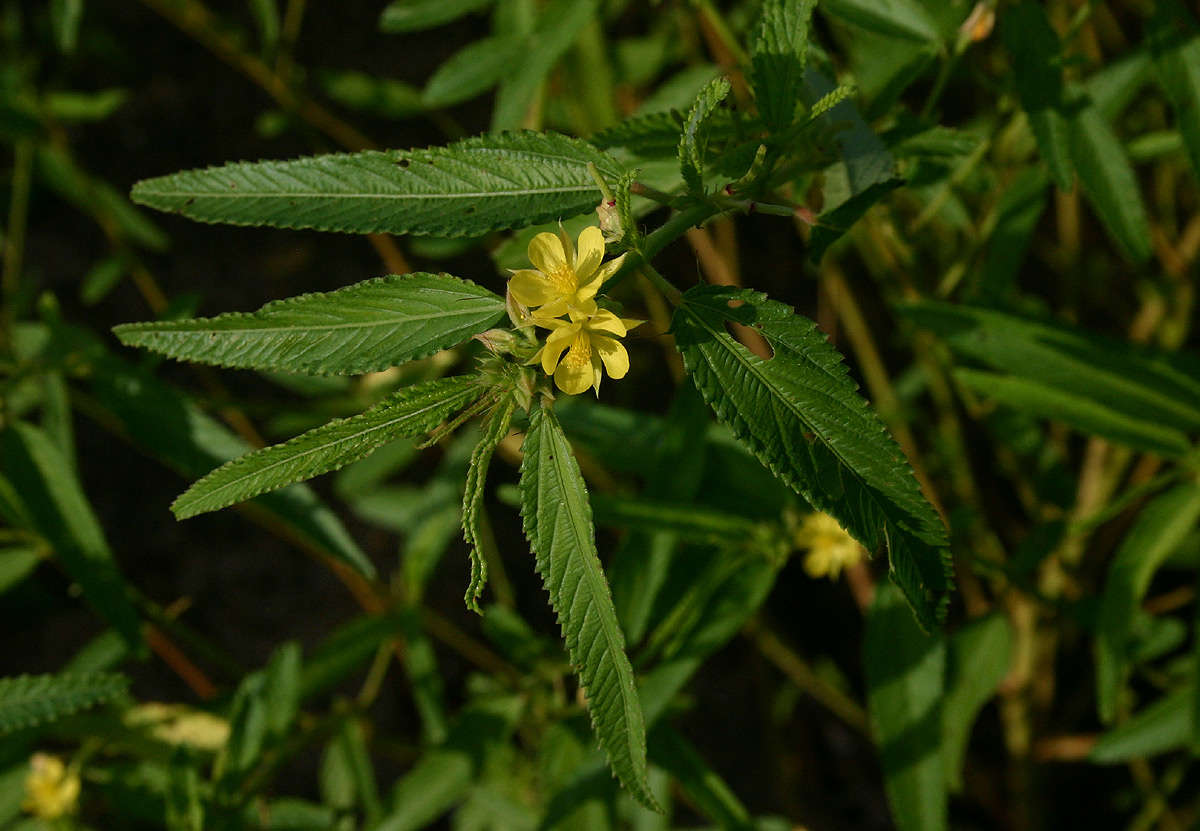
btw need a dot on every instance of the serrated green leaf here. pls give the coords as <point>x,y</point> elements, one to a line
<point>1162,726</point>
<point>693,141</point>
<point>1135,395</point>
<point>30,700</point>
<point>53,499</point>
<point>802,416</point>
<point>894,18</point>
<point>472,70</point>
<point>558,26</point>
<point>905,675</point>
<point>1159,530</point>
<point>690,522</point>
<point>415,15</point>
<point>495,429</point>
<point>1108,181</point>
<point>367,327</point>
<point>463,190</point>
<point>410,411</point>
<point>868,161</point>
<point>1175,45</point>
<point>1037,67</point>
<point>558,524</point>
<point>778,59</point>
<point>977,660</point>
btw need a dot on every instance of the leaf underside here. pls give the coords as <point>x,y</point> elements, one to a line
<point>469,188</point>
<point>410,411</point>
<point>801,415</point>
<point>558,524</point>
<point>367,327</point>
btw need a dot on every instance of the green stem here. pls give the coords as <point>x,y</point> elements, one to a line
<point>662,284</point>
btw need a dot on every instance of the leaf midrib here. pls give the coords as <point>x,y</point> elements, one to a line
<point>754,369</point>
<point>262,470</point>
<point>177,329</point>
<point>581,540</point>
<point>291,194</point>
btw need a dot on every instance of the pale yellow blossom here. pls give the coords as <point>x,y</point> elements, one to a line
<point>51,789</point>
<point>564,278</point>
<point>830,547</point>
<point>592,348</point>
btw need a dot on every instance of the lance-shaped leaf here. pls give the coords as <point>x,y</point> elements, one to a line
<point>1175,44</point>
<point>463,190</point>
<point>905,671</point>
<point>366,327</point>
<point>415,15</point>
<point>906,19</point>
<point>1160,529</point>
<point>1037,67</point>
<point>407,412</point>
<point>558,523</point>
<point>1141,397</point>
<point>779,56</point>
<point>30,700</point>
<point>494,430</point>
<point>693,141</point>
<point>51,498</point>
<point>801,415</point>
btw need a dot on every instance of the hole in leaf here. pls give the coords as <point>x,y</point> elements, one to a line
<point>403,163</point>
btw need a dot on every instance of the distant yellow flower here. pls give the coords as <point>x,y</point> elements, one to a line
<point>591,348</point>
<point>830,548</point>
<point>564,279</point>
<point>51,790</point>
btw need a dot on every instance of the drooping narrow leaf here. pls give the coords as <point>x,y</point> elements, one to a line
<point>779,57</point>
<point>693,141</point>
<point>1160,727</point>
<point>1140,396</point>
<point>707,790</point>
<point>495,429</point>
<point>831,225</point>
<point>1159,530</point>
<point>442,777</point>
<point>410,411</point>
<point>558,26</point>
<point>1175,45</point>
<point>366,327</point>
<point>977,660</point>
<point>905,671</point>
<point>802,416</point>
<point>558,523</point>
<point>472,70</point>
<point>1108,181</point>
<point>1037,67</point>
<point>414,15</point>
<point>53,499</point>
<point>30,700</point>
<point>894,18</point>
<point>463,190</point>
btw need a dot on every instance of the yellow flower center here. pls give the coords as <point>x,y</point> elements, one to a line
<point>563,279</point>
<point>580,353</point>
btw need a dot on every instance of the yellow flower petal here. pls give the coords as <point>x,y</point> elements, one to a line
<point>531,287</point>
<point>607,322</point>
<point>573,378</point>
<point>591,252</point>
<point>546,253</point>
<point>616,359</point>
<point>631,323</point>
<point>581,310</point>
<point>568,246</point>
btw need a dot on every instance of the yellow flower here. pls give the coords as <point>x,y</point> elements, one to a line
<point>564,280</point>
<point>591,347</point>
<point>51,790</point>
<point>830,548</point>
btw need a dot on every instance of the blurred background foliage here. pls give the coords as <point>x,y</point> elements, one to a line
<point>1019,312</point>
